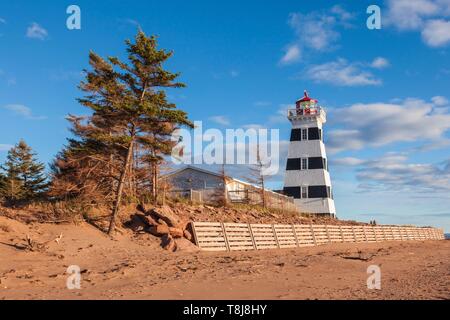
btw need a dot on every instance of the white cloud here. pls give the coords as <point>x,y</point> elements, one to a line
<point>342,73</point>
<point>430,17</point>
<point>342,13</point>
<point>440,101</point>
<point>314,30</point>
<point>129,21</point>
<point>65,75</point>
<point>347,161</point>
<point>281,115</point>
<point>35,31</point>
<point>436,33</point>
<point>293,54</point>
<point>254,126</point>
<point>23,111</point>
<point>234,73</point>
<point>393,172</point>
<point>377,124</point>
<point>380,63</point>
<point>410,15</point>
<point>5,147</point>
<point>222,120</point>
<point>262,103</point>
<point>317,31</point>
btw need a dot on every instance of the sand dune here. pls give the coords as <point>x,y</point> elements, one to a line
<point>135,267</point>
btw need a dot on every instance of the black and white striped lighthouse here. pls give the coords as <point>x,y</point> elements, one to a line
<point>307,178</point>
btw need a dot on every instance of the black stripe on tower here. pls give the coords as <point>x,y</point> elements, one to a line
<point>313,134</point>
<point>313,163</point>
<point>314,192</point>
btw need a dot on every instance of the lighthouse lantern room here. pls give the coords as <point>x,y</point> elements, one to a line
<point>307,178</point>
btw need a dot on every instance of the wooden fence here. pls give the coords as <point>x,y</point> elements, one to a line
<point>216,236</point>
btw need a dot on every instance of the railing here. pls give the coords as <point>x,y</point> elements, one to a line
<point>217,236</point>
<point>305,112</point>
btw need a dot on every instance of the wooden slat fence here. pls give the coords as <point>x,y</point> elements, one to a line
<point>216,236</point>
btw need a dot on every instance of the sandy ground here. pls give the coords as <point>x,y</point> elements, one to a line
<point>135,267</point>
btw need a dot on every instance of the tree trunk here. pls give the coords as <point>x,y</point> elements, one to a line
<point>123,176</point>
<point>263,192</point>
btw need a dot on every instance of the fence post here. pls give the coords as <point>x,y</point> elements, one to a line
<point>365,235</point>
<point>384,233</point>
<point>313,235</point>
<point>342,234</point>
<point>295,235</point>
<point>374,233</point>
<point>225,236</point>
<point>354,234</point>
<point>275,234</point>
<point>194,233</point>
<point>251,236</point>
<point>328,233</point>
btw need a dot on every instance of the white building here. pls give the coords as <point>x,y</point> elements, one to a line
<point>307,178</point>
<point>209,186</point>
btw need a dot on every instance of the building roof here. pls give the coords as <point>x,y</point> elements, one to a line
<point>196,169</point>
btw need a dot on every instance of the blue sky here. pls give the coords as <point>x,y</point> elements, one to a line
<point>386,91</point>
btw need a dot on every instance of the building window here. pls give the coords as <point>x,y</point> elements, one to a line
<point>304,163</point>
<point>304,134</point>
<point>304,192</point>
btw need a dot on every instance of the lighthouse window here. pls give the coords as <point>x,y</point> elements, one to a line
<point>315,163</point>
<point>296,135</point>
<point>293,164</point>
<point>304,163</point>
<point>304,192</point>
<point>314,133</point>
<point>294,192</point>
<point>304,134</point>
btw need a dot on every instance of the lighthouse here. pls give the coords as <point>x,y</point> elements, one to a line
<point>307,178</point>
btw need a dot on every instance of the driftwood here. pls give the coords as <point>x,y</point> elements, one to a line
<point>31,245</point>
<point>359,256</point>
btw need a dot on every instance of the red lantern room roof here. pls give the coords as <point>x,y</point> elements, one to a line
<point>306,98</point>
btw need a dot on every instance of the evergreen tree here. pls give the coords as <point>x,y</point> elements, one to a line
<point>24,177</point>
<point>132,121</point>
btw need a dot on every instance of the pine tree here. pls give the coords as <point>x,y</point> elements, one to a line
<point>24,177</point>
<point>130,110</point>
